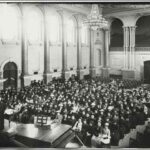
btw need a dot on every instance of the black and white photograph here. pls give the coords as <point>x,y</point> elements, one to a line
<point>74,74</point>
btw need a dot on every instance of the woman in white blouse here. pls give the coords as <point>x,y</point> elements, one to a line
<point>106,135</point>
<point>78,125</point>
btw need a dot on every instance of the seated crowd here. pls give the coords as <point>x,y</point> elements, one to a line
<point>97,111</point>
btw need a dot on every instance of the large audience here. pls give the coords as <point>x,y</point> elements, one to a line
<point>91,107</point>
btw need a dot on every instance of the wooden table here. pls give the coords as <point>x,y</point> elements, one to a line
<point>33,136</point>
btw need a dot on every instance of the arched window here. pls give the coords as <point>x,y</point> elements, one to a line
<point>9,24</point>
<point>33,26</point>
<point>84,35</point>
<point>70,30</point>
<point>53,25</point>
<point>116,33</point>
<point>143,32</point>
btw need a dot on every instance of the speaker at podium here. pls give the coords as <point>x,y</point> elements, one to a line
<point>147,72</point>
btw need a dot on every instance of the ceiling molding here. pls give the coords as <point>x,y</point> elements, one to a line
<point>141,12</point>
<point>75,8</point>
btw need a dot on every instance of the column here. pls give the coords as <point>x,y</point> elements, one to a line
<point>132,47</point>
<point>47,74</point>
<point>105,69</point>
<point>92,68</point>
<point>107,47</point>
<point>129,46</point>
<point>65,73</point>
<point>126,46</point>
<point>24,53</point>
<point>80,73</point>
<point>125,71</point>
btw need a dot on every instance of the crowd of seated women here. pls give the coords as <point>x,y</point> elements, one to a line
<point>98,112</point>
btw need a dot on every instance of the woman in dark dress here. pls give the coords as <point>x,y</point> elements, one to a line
<point>2,110</point>
<point>115,136</point>
<point>96,135</point>
<point>89,133</point>
<point>84,130</point>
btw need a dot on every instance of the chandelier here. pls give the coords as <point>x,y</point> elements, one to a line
<point>95,19</point>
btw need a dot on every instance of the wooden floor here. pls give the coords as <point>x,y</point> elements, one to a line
<point>33,136</point>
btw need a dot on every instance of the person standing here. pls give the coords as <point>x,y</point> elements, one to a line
<point>2,110</point>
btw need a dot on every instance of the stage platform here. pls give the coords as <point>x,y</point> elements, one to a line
<point>34,137</point>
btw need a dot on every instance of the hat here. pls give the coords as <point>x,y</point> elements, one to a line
<point>110,107</point>
<point>60,104</point>
<point>93,104</point>
<point>58,111</point>
<point>106,124</point>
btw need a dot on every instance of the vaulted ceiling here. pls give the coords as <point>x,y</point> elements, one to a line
<point>114,8</point>
<point>108,8</point>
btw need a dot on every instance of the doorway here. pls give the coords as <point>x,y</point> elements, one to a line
<point>147,72</point>
<point>10,73</point>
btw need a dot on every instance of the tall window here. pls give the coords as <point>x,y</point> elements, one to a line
<point>53,28</point>
<point>70,30</point>
<point>33,26</point>
<point>84,35</point>
<point>9,22</point>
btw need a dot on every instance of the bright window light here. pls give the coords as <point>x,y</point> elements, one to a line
<point>9,24</point>
<point>84,34</point>
<point>70,30</point>
<point>53,28</point>
<point>33,26</point>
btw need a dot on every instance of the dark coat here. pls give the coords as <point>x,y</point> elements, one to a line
<point>2,109</point>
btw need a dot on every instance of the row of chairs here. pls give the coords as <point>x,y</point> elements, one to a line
<point>131,83</point>
<point>127,83</point>
<point>134,136</point>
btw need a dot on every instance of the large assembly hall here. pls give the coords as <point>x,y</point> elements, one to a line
<point>74,75</point>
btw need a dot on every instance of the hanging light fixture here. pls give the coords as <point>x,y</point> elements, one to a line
<point>95,19</point>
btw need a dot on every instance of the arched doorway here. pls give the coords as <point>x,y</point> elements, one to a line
<point>10,74</point>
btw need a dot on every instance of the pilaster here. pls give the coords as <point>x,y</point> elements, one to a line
<point>105,69</point>
<point>129,52</point>
<point>64,47</point>
<point>24,50</point>
<point>92,67</point>
<point>47,75</point>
